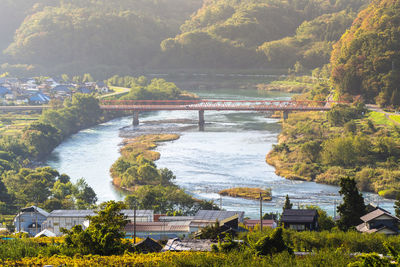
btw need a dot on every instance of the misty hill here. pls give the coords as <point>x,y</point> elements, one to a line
<point>366,60</point>
<point>107,37</point>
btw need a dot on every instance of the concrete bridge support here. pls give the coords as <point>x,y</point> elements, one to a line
<point>135,121</point>
<point>201,120</point>
<point>285,115</point>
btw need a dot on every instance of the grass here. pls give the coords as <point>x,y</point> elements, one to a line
<point>12,123</point>
<point>395,118</point>
<point>248,193</point>
<point>380,118</point>
<point>144,144</point>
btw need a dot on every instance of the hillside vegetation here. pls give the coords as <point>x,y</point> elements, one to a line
<point>108,37</point>
<point>366,60</point>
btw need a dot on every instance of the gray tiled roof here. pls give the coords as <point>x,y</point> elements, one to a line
<point>298,215</point>
<point>374,214</point>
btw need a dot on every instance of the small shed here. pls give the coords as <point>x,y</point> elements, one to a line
<point>46,233</point>
<point>148,245</point>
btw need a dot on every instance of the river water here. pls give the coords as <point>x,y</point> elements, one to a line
<point>229,153</point>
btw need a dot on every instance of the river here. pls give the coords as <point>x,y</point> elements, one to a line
<point>229,153</point>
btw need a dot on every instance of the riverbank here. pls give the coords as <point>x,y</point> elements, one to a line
<point>345,142</point>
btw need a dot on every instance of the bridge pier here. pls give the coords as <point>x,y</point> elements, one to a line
<point>135,121</point>
<point>285,115</point>
<point>201,120</point>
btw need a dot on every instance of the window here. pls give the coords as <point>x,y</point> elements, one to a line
<point>297,227</point>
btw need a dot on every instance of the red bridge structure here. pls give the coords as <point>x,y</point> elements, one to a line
<point>202,105</point>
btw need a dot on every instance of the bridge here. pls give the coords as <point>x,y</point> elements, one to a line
<point>202,105</point>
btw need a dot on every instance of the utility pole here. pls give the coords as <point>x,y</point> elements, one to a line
<point>261,213</point>
<point>134,224</point>
<point>334,208</point>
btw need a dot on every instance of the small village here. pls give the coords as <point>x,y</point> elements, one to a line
<point>185,233</point>
<point>39,91</point>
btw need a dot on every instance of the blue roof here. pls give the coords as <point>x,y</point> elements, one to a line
<point>4,90</point>
<point>39,97</point>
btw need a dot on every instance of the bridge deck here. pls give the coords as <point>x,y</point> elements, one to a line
<point>232,105</point>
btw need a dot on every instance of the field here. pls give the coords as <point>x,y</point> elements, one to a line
<point>12,123</point>
<point>380,118</point>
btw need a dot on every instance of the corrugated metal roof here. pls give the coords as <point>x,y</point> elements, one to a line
<point>188,245</point>
<point>35,209</point>
<point>84,213</point>
<point>213,215</point>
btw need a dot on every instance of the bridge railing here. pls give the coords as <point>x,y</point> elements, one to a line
<point>221,103</point>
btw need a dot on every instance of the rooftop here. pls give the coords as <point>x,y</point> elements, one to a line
<point>375,214</point>
<point>299,215</point>
<point>188,245</point>
<point>213,215</point>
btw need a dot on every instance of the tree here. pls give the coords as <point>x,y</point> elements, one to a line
<point>325,222</point>
<point>85,195</point>
<point>271,244</point>
<point>104,234</point>
<point>353,206</point>
<point>287,205</point>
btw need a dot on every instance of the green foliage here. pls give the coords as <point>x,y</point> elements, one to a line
<point>341,114</point>
<point>169,34</point>
<point>287,205</point>
<point>325,222</point>
<point>346,151</point>
<point>104,234</point>
<point>366,59</point>
<point>353,206</point>
<point>271,244</point>
<point>163,199</point>
<point>397,206</point>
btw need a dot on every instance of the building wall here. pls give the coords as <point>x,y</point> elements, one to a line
<point>27,218</point>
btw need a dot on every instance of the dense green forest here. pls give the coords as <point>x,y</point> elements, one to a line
<point>366,60</point>
<point>109,37</point>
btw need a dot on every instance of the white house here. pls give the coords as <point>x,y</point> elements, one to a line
<point>30,220</point>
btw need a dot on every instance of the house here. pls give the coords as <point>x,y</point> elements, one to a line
<point>4,91</point>
<point>379,221</point>
<point>102,87</point>
<point>188,245</point>
<point>30,220</point>
<point>39,98</point>
<point>300,219</point>
<point>266,223</point>
<point>84,90</point>
<point>62,90</point>
<point>67,219</point>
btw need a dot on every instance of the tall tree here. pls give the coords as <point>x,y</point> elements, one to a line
<point>353,206</point>
<point>287,205</point>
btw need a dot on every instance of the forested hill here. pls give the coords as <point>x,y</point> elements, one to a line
<point>94,35</point>
<point>366,60</point>
<point>105,37</point>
